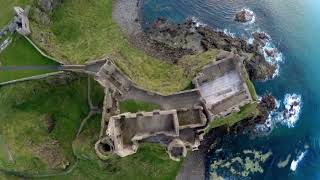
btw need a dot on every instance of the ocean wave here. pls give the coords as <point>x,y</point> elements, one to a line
<point>295,163</point>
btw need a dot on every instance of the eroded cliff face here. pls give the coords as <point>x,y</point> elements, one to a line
<point>177,40</point>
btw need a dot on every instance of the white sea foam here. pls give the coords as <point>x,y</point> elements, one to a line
<point>293,105</point>
<point>295,163</point>
<point>290,113</point>
<point>197,22</point>
<point>229,33</point>
<point>275,57</point>
<point>250,40</point>
<point>250,14</point>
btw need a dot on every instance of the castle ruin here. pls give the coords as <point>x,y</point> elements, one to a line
<point>220,89</point>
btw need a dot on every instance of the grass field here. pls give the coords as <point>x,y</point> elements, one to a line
<point>23,134</point>
<point>6,10</point>
<point>134,106</point>
<point>23,112</point>
<point>249,110</point>
<point>21,53</point>
<point>77,36</point>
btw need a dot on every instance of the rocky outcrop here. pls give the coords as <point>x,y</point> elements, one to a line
<point>258,68</point>
<point>244,16</point>
<point>176,40</point>
<point>261,38</point>
<point>42,11</point>
<point>49,5</point>
<point>19,23</point>
<point>266,105</point>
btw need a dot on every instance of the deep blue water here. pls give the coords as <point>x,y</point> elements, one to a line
<point>294,26</point>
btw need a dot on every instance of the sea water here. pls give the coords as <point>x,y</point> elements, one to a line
<point>294,28</point>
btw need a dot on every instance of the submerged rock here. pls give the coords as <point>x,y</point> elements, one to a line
<point>244,16</point>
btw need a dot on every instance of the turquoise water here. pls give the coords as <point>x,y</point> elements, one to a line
<point>294,26</point>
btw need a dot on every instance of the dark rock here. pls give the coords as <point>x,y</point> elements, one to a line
<point>244,16</point>
<point>261,35</point>
<point>271,53</point>
<point>266,105</point>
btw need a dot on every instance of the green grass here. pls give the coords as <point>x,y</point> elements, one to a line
<point>252,89</point>
<point>77,36</point>
<point>22,111</point>
<point>21,53</point>
<point>134,106</point>
<point>6,10</point>
<point>249,110</point>
<point>23,108</point>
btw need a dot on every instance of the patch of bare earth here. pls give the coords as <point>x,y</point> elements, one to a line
<point>50,152</point>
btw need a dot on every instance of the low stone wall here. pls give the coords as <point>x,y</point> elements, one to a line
<point>41,52</point>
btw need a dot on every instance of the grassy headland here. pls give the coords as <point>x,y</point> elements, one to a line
<point>77,36</point>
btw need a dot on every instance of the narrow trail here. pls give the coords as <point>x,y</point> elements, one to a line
<point>93,109</point>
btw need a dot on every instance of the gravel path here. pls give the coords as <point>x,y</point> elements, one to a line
<point>126,14</point>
